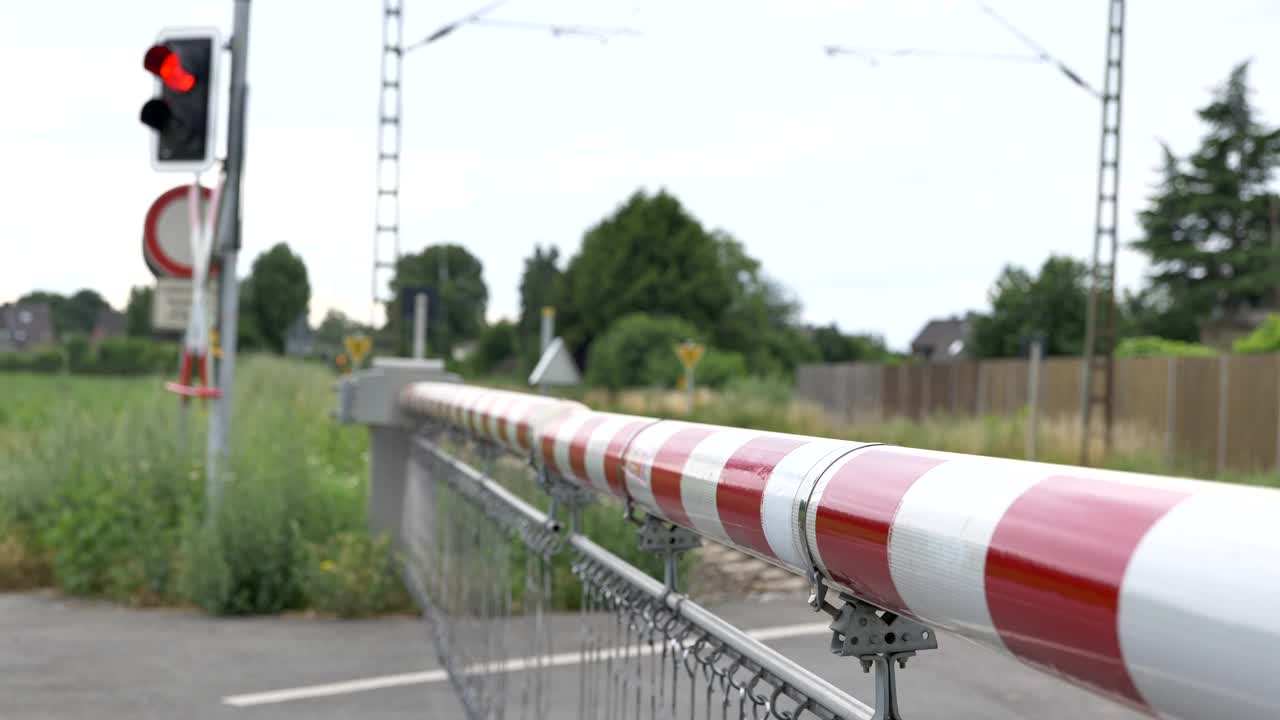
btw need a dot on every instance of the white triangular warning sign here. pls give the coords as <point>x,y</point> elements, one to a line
<point>555,367</point>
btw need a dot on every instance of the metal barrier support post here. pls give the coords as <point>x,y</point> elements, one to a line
<point>669,541</point>
<point>565,494</point>
<point>878,638</point>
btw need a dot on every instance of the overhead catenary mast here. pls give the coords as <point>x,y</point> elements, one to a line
<point>1098,377</point>
<point>386,237</point>
<point>1098,384</point>
<point>386,234</point>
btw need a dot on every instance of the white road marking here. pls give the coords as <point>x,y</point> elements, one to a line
<point>307,692</point>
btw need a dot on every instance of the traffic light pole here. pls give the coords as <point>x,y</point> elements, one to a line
<point>229,247</point>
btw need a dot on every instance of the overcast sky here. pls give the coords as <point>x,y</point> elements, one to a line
<point>882,195</point>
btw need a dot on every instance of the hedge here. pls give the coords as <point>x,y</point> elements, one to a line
<point>111,356</point>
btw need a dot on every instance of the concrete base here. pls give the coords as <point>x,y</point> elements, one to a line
<point>388,469</point>
<point>371,398</point>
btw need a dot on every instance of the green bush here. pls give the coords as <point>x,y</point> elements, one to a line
<point>352,575</point>
<point>638,350</point>
<point>45,361</point>
<point>718,368</point>
<point>123,356</point>
<point>80,355</point>
<point>161,357</point>
<point>1266,338</point>
<point>1150,346</point>
<point>282,491</point>
<point>111,356</point>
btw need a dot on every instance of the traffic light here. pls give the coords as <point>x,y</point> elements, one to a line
<point>184,62</point>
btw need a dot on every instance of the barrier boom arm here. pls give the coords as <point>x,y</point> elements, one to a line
<point>1160,593</point>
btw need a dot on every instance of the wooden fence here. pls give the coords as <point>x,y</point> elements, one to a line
<point>1218,412</point>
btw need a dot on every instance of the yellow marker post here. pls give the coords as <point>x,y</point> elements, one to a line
<point>689,353</point>
<point>358,347</point>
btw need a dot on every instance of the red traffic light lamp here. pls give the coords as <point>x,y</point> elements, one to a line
<point>165,64</point>
<point>183,112</point>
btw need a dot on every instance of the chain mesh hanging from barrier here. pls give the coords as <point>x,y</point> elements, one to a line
<point>484,604</point>
<point>632,650</point>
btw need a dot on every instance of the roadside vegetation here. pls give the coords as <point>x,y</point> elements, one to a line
<point>769,404</point>
<point>102,493</point>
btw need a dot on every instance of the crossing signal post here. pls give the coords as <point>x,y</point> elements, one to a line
<point>183,115</point>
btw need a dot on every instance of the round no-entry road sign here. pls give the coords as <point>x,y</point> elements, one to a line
<point>166,233</point>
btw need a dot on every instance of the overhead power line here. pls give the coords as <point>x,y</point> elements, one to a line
<point>450,27</point>
<point>1040,51</point>
<point>1040,54</point>
<point>872,55</point>
<point>601,33</point>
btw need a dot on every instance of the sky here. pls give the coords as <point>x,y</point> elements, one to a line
<point>880,195</point>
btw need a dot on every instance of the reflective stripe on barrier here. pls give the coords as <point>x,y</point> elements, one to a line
<point>1160,593</point>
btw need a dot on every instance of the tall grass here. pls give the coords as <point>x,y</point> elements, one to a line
<point>102,485</point>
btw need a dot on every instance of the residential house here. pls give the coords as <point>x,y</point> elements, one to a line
<point>1221,329</point>
<point>299,339</point>
<point>943,339</point>
<point>25,326</point>
<point>109,323</point>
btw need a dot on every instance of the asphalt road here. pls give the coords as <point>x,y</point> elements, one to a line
<point>63,658</point>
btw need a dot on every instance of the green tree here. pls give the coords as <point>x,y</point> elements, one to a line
<point>761,319</point>
<point>457,313</point>
<point>335,326</point>
<point>1207,228</point>
<point>1154,312</point>
<point>836,347</point>
<point>1052,303</point>
<point>538,287</point>
<point>275,294</point>
<point>137,312</point>
<point>496,349</point>
<point>649,256</point>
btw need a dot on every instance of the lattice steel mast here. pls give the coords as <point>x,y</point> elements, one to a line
<point>1098,385</point>
<point>386,234</point>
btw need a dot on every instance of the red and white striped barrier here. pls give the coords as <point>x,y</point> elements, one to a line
<point>1160,593</point>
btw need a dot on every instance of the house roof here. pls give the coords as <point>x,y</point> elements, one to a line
<point>108,323</point>
<point>938,336</point>
<point>25,325</point>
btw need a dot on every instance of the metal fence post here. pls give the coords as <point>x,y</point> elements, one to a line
<point>981,400</point>
<point>420,326</point>
<point>926,390</point>
<point>1171,412</point>
<point>1224,380</point>
<point>1277,358</point>
<point>1033,398</point>
<point>840,397</point>
<point>955,387</point>
<point>219,432</point>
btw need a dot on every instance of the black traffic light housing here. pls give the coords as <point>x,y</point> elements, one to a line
<point>185,63</point>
